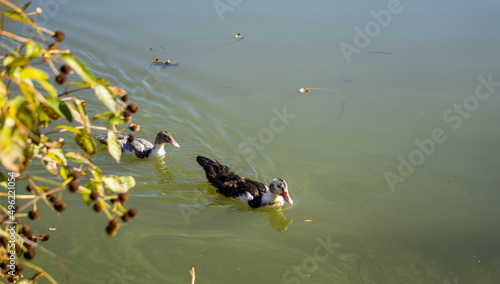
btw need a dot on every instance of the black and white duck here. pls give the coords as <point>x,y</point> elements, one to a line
<point>256,194</point>
<point>142,148</point>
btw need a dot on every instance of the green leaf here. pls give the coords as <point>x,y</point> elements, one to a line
<point>58,107</point>
<point>103,115</point>
<point>114,147</point>
<point>18,17</point>
<point>80,84</point>
<point>128,181</point>
<point>43,118</point>
<point>26,6</point>
<point>13,146</point>
<point>118,184</point>
<point>106,97</point>
<point>85,141</point>
<point>80,68</point>
<point>41,77</point>
<point>69,128</point>
<point>116,120</point>
<point>64,172</point>
<point>51,166</point>
<point>86,198</point>
<point>48,111</point>
<point>3,180</point>
<point>12,61</point>
<point>58,156</point>
<point>78,157</point>
<point>65,111</point>
<point>33,50</point>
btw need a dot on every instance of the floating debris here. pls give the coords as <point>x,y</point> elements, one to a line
<point>346,80</point>
<point>167,62</point>
<point>379,52</point>
<point>191,271</point>
<point>305,90</point>
<point>239,36</point>
<point>307,220</point>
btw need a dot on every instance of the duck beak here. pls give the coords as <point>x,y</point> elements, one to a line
<point>286,197</point>
<point>173,143</point>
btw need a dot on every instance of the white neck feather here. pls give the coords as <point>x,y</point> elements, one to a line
<point>269,198</point>
<point>158,150</point>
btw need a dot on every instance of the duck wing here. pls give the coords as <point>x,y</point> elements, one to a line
<point>122,139</point>
<point>140,147</point>
<point>227,182</point>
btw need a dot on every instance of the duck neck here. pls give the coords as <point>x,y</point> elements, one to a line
<point>158,150</point>
<point>269,198</point>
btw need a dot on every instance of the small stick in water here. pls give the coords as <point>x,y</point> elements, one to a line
<point>191,271</point>
<point>305,90</point>
<point>379,52</point>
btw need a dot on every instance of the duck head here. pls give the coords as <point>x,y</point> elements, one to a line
<point>279,187</point>
<point>165,137</point>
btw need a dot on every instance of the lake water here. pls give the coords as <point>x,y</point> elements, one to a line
<point>392,161</point>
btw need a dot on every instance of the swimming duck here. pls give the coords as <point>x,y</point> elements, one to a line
<point>142,148</point>
<point>256,194</point>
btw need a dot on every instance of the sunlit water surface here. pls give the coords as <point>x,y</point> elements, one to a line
<point>371,206</point>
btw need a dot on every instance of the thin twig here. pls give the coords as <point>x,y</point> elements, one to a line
<point>72,91</point>
<point>13,36</point>
<point>51,254</point>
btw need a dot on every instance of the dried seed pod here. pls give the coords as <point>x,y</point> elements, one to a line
<point>123,197</point>
<point>127,114</point>
<point>59,36</point>
<point>133,107</point>
<point>113,227</point>
<point>34,215</point>
<point>60,205</point>
<point>27,231</point>
<point>61,79</point>
<point>132,212</point>
<point>53,46</point>
<point>98,207</point>
<point>52,197</point>
<point>94,195</point>
<point>30,254</point>
<point>134,127</point>
<point>65,69</point>
<point>44,238</point>
<point>130,138</point>
<point>73,186</point>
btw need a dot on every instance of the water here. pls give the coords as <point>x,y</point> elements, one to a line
<point>434,219</point>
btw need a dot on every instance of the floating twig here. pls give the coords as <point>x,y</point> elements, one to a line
<point>167,62</point>
<point>305,90</point>
<point>379,52</point>
<point>191,271</point>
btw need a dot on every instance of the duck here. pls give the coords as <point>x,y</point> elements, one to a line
<point>254,193</point>
<point>142,148</point>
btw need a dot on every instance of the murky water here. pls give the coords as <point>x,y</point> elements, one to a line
<point>394,175</point>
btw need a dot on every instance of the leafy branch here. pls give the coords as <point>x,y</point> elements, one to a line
<point>36,75</point>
